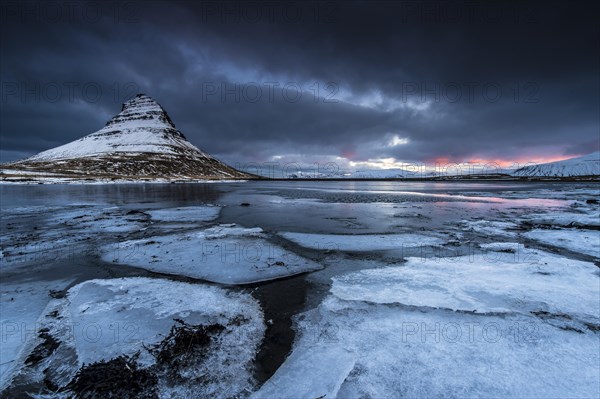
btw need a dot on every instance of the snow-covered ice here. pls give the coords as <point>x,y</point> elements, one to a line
<point>98,219</point>
<point>225,254</point>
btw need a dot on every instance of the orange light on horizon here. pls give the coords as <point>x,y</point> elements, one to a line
<point>501,162</point>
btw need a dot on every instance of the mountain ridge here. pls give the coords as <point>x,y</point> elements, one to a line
<point>141,142</point>
<point>585,165</point>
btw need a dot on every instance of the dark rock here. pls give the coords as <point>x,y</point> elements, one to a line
<point>44,349</point>
<point>116,378</point>
<point>185,346</point>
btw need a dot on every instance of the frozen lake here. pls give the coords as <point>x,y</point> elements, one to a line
<point>317,289</point>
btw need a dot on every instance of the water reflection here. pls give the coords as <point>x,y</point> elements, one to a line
<point>112,194</point>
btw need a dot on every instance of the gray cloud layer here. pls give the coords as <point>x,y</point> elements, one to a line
<point>253,80</point>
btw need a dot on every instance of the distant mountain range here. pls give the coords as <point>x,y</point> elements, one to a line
<point>583,166</point>
<point>140,142</point>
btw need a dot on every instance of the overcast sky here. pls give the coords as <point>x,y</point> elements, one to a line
<point>362,84</point>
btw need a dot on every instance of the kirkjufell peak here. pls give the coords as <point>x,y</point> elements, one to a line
<point>140,142</point>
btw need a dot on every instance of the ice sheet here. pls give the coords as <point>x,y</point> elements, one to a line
<point>582,241</point>
<point>566,219</point>
<point>329,368</point>
<point>189,214</point>
<point>43,235</point>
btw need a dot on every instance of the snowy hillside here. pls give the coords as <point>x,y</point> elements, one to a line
<point>586,165</point>
<point>139,142</point>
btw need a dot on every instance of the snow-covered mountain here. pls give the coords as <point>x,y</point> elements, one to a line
<point>139,142</point>
<point>587,165</point>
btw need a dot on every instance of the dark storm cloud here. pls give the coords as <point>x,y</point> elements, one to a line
<point>458,80</point>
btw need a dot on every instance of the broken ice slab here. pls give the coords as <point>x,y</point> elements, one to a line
<point>99,320</point>
<point>22,303</point>
<point>329,367</point>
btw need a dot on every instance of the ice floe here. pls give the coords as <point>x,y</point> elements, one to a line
<point>99,320</point>
<point>416,354</point>
<point>362,242</point>
<point>227,254</point>
<point>98,219</point>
